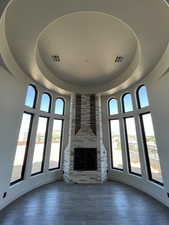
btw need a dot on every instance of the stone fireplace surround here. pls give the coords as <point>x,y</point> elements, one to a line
<point>85,131</point>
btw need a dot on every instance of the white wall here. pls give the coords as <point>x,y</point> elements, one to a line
<point>158,91</point>
<point>12,97</point>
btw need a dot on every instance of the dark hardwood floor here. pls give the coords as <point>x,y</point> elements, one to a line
<point>73,204</point>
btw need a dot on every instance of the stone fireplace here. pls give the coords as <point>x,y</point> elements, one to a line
<point>85,157</point>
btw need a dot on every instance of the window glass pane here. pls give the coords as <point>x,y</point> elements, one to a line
<point>127,103</point>
<point>113,107</point>
<point>59,106</point>
<point>133,151</point>
<point>21,147</point>
<point>45,103</point>
<point>30,96</point>
<point>152,148</point>
<point>55,144</point>
<point>142,97</point>
<point>39,145</point>
<point>116,144</point>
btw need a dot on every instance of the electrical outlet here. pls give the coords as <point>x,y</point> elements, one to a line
<point>4,195</point>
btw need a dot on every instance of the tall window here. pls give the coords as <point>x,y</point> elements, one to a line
<point>39,150</point>
<point>116,150</point>
<point>34,127</point>
<point>21,150</point>
<point>127,102</point>
<point>152,156</point>
<point>45,102</point>
<point>132,146</point>
<point>54,161</point>
<point>31,96</point>
<point>142,97</point>
<point>113,106</point>
<point>59,106</point>
<point>129,118</point>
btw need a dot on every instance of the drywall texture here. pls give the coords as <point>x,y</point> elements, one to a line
<point>84,137</point>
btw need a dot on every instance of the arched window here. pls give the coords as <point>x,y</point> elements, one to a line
<point>113,106</point>
<point>45,102</point>
<point>31,95</point>
<point>127,102</point>
<point>142,97</point>
<point>59,106</point>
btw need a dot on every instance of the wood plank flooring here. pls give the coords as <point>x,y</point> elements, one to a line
<point>73,204</point>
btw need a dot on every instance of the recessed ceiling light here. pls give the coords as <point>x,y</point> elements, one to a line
<point>119,59</point>
<point>56,58</point>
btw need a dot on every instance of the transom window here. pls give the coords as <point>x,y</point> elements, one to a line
<point>45,102</point>
<point>59,106</point>
<point>31,96</point>
<point>142,97</point>
<point>113,106</point>
<point>127,102</point>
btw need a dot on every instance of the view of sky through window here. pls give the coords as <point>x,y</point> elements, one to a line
<point>30,96</point>
<point>59,106</point>
<point>113,106</point>
<point>143,98</point>
<point>45,103</point>
<point>127,103</point>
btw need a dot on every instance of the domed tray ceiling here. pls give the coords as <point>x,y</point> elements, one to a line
<point>85,37</point>
<point>87,44</point>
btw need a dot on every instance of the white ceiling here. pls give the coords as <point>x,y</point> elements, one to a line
<point>87,44</point>
<point>87,35</point>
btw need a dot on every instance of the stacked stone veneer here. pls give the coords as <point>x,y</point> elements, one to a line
<point>85,131</point>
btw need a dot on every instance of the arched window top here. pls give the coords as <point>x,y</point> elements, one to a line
<point>59,106</point>
<point>31,95</point>
<point>45,102</point>
<point>113,106</point>
<point>142,97</point>
<point>127,102</point>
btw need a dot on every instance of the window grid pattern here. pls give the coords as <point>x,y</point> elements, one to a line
<point>136,106</point>
<point>34,108</point>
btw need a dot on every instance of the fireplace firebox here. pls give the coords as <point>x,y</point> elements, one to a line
<point>85,159</point>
